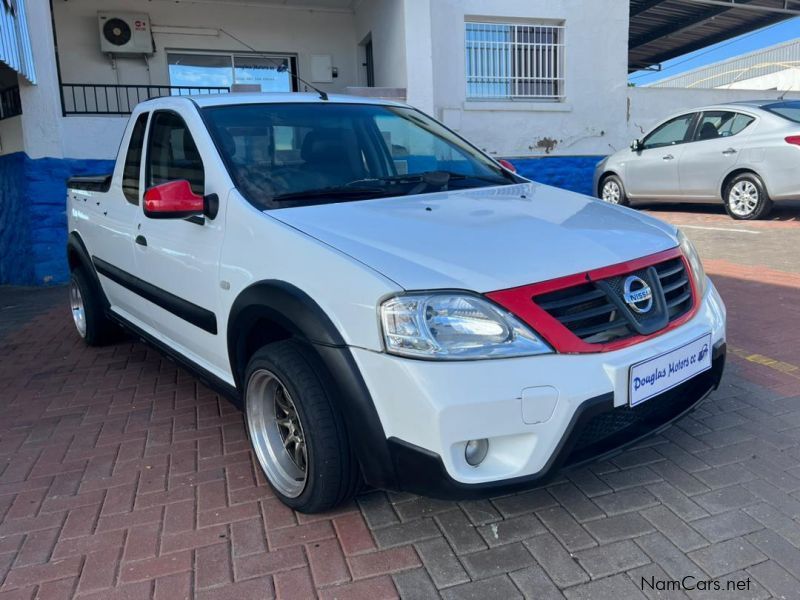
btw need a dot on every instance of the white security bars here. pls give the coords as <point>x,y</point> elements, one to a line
<point>510,61</point>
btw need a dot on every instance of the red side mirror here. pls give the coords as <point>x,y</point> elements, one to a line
<point>173,200</point>
<point>507,165</point>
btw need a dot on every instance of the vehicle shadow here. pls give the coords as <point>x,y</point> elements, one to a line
<point>783,211</point>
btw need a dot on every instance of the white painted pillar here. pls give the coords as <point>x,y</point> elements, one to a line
<point>41,103</point>
<point>419,54</point>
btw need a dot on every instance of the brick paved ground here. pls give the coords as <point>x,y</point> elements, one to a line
<point>122,477</point>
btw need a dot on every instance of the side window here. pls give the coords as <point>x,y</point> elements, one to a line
<point>172,153</point>
<point>715,124</point>
<point>133,161</point>
<point>670,133</point>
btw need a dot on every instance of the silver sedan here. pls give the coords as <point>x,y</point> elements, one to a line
<point>744,154</point>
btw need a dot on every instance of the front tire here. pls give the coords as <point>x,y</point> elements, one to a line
<point>297,433</point>
<point>746,198</point>
<point>88,313</point>
<point>612,191</point>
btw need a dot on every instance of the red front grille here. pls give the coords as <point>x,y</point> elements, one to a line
<point>586,312</point>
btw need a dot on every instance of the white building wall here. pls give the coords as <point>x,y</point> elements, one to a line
<point>384,21</point>
<point>593,111</point>
<point>421,37</point>
<point>41,108</point>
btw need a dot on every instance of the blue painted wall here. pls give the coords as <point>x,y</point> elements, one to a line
<point>33,220</point>
<point>569,172</point>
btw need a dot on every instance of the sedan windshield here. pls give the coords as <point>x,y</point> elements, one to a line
<point>282,155</point>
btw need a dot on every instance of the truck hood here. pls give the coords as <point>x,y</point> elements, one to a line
<point>482,239</point>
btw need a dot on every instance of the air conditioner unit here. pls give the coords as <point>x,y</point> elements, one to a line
<point>125,33</point>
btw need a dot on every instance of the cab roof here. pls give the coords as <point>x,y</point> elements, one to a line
<point>233,98</point>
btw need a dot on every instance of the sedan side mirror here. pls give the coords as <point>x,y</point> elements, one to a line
<point>177,200</point>
<point>636,145</point>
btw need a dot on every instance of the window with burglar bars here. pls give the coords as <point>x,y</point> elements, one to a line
<point>510,61</point>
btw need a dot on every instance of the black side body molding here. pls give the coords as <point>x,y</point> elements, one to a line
<point>589,437</point>
<point>191,313</point>
<point>295,311</point>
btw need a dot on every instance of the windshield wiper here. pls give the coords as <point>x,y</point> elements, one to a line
<point>344,192</point>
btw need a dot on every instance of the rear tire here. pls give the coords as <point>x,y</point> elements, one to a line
<point>297,432</point>
<point>612,191</point>
<point>88,312</point>
<point>746,198</point>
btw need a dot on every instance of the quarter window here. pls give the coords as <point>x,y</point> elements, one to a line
<point>172,153</point>
<point>133,161</point>
<point>670,133</point>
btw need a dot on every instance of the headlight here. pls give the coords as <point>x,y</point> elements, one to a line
<point>698,273</point>
<point>454,326</point>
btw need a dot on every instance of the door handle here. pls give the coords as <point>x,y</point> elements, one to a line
<point>141,240</point>
<point>729,151</point>
<point>668,157</point>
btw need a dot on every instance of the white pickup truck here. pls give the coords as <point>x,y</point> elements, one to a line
<point>388,304</point>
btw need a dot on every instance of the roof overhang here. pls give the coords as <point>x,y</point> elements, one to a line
<point>663,29</point>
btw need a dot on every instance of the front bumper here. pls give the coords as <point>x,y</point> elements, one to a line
<point>539,413</point>
<point>597,429</point>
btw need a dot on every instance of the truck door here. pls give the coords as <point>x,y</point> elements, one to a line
<point>111,219</point>
<point>177,260</point>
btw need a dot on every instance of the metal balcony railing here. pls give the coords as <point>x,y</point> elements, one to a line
<point>108,99</point>
<point>10,105</point>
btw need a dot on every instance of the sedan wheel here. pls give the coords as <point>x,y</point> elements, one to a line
<point>743,198</point>
<point>276,433</point>
<point>611,192</point>
<point>746,197</point>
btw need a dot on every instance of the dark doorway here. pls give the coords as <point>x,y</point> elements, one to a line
<point>369,63</point>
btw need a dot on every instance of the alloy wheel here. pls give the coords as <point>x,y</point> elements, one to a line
<point>743,198</point>
<point>277,433</point>
<point>611,192</point>
<point>77,308</point>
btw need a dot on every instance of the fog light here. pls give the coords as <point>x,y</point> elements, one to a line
<point>476,451</point>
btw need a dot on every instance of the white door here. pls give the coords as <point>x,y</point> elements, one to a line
<point>177,260</point>
<point>652,170</point>
<point>713,153</point>
<point>115,215</point>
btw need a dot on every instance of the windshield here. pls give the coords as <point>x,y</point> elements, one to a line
<point>282,155</point>
<point>789,110</point>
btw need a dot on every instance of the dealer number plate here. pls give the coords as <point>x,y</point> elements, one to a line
<point>663,372</point>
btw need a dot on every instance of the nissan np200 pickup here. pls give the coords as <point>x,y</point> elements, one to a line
<point>388,304</point>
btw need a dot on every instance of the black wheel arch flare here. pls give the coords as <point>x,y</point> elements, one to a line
<point>295,311</point>
<point>78,257</point>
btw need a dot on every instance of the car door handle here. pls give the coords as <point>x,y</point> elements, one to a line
<point>668,157</point>
<point>141,240</point>
<point>729,151</point>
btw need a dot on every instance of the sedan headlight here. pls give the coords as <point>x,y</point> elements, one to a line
<point>454,326</point>
<point>698,273</point>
